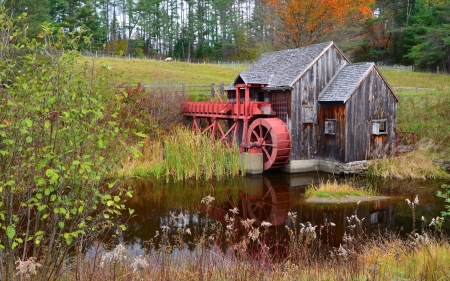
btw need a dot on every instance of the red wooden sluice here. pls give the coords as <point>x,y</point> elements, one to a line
<point>270,136</point>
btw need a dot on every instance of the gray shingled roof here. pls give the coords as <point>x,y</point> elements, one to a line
<point>282,68</point>
<point>345,82</point>
<point>255,77</point>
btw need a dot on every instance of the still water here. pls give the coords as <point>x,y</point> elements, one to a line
<point>270,198</point>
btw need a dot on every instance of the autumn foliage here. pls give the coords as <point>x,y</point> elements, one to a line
<point>303,22</point>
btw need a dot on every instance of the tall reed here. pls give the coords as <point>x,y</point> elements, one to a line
<point>184,154</point>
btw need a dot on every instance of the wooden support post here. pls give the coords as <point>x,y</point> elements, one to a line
<point>222,89</point>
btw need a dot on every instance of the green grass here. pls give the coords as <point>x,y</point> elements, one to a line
<point>150,72</point>
<point>334,189</point>
<point>398,78</point>
<point>156,72</point>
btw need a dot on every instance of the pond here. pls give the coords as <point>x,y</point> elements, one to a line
<point>276,198</point>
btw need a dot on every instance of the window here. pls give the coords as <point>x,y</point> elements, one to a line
<point>330,125</point>
<point>379,127</point>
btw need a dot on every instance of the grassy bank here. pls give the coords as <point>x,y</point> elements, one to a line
<point>427,114</point>
<point>335,189</point>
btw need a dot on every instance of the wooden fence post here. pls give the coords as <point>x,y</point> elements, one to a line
<point>222,89</point>
<point>212,89</point>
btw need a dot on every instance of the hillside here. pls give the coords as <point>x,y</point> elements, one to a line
<point>150,72</point>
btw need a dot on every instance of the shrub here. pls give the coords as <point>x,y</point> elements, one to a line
<point>58,139</point>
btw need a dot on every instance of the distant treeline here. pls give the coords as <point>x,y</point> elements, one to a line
<point>406,32</point>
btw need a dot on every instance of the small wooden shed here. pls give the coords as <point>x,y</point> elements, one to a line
<point>334,110</point>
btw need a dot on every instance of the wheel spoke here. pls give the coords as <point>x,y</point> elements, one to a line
<point>267,193</point>
<point>256,135</point>
<point>269,144</point>
<point>267,132</point>
<point>260,130</point>
<point>267,155</point>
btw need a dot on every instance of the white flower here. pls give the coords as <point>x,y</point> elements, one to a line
<point>118,254</point>
<point>208,199</point>
<point>235,210</point>
<point>292,215</point>
<point>139,263</point>
<point>266,224</point>
<point>416,201</point>
<point>188,231</point>
<point>254,234</point>
<point>27,267</point>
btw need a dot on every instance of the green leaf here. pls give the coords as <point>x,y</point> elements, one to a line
<point>29,139</point>
<point>68,238</point>
<point>52,175</point>
<point>29,123</point>
<point>39,181</point>
<point>142,135</point>
<point>61,224</point>
<point>10,232</point>
<point>47,124</point>
<point>106,216</point>
<point>109,203</point>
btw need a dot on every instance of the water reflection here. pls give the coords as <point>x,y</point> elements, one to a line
<point>270,198</point>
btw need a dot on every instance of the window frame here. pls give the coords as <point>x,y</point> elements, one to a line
<point>377,124</point>
<point>330,129</point>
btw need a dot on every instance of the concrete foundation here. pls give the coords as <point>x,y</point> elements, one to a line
<point>251,163</point>
<point>319,165</point>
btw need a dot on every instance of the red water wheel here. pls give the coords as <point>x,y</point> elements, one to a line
<point>271,205</point>
<point>272,136</point>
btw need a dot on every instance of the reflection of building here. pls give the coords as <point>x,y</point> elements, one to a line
<point>271,197</point>
<point>260,200</point>
<point>267,198</point>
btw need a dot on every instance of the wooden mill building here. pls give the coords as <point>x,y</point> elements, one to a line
<point>336,111</point>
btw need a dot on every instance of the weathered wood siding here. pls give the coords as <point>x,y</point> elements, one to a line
<point>304,103</point>
<point>332,147</point>
<point>372,100</point>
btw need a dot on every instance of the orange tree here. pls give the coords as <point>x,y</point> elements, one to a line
<point>303,22</point>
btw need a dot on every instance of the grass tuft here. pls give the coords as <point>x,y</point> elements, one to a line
<point>417,164</point>
<point>336,189</point>
<point>182,155</point>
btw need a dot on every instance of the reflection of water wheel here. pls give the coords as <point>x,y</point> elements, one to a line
<point>272,205</point>
<point>272,136</point>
